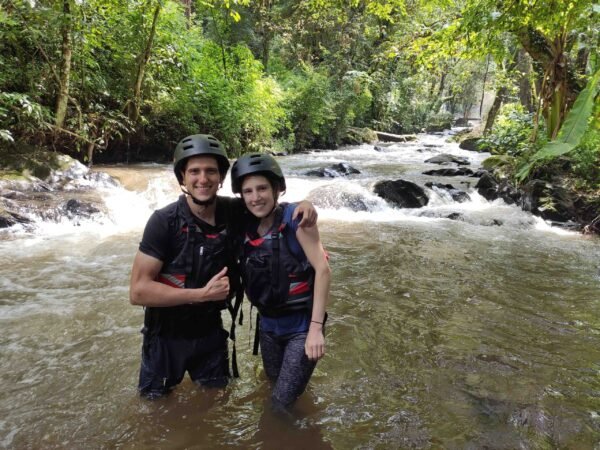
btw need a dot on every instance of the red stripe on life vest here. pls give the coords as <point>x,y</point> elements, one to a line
<point>172,280</point>
<point>256,242</point>
<point>299,288</point>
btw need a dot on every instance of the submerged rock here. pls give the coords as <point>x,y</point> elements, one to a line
<point>334,171</point>
<point>449,172</point>
<point>456,194</point>
<point>446,158</point>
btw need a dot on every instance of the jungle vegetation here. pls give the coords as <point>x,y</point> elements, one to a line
<point>125,80</point>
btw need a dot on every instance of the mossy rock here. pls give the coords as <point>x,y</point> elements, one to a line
<point>356,136</point>
<point>26,161</point>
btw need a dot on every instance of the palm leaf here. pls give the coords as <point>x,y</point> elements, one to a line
<point>552,150</point>
<point>576,121</point>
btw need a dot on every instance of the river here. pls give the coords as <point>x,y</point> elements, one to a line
<point>481,332</point>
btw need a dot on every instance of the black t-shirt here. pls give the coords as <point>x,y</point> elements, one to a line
<point>159,238</point>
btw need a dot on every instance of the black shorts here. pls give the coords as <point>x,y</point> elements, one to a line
<point>166,359</point>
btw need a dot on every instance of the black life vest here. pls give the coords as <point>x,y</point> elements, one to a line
<point>277,281</point>
<point>201,256</point>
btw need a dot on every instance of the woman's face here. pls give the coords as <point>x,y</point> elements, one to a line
<point>258,195</point>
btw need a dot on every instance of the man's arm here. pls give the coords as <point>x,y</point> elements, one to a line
<point>144,290</point>
<point>305,210</point>
<point>307,213</point>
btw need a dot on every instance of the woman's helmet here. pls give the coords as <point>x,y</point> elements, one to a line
<point>199,145</point>
<point>255,164</point>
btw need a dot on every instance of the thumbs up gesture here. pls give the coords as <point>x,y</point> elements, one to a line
<point>218,286</point>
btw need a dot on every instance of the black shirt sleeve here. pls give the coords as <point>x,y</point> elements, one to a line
<point>155,240</point>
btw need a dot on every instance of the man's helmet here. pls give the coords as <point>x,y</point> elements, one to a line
<point>255,164</point>
<point>199,145</point>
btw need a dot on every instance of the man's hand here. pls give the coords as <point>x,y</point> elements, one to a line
<point>307,212</point>
<point>218,287</point>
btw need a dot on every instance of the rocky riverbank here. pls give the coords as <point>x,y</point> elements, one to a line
<point>65,188</point>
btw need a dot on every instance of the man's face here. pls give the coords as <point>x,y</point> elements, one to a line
<point>201,177</point>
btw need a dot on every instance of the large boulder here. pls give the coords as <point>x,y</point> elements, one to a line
<point>402,193</point>
<point>356,136</point>
<point>549,201</point>
<point>491,189</point>
<point>471,144</point>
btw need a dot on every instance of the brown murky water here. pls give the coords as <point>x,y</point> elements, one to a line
<point>442,334</point>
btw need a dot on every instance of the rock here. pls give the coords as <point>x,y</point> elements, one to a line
<point>491,189</point>
<point>334,171</point>
<point>446,158</point>
<point>470,144</point>
<point>548,201</point>
<point>461,122</point>
<point>487,186</point>
<point>456,194</point>
<point>389,137</point>
<point>449,172</point>
<point>330,196</point>
<point>8,218</point>
<point>359,136</point>
<point>401,193</point>
<point>77,208</point>
<point>455,216</point>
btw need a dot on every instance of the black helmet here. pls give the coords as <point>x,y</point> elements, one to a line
<point>255,164</point>
<point>199,144</point>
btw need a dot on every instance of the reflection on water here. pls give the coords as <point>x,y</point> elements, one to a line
<point>442,334</point>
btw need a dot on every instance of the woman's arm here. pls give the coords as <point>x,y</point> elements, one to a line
<point>309,239</point>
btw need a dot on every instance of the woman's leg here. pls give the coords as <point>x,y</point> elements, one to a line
<point>271,350</point>
<point>295,371</point>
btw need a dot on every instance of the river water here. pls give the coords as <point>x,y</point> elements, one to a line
<point>481,332</point>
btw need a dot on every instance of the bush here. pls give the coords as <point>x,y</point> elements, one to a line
<point>511,133</point>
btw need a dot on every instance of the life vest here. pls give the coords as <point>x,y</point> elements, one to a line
<point>201,256</point>
<point>277,281</point>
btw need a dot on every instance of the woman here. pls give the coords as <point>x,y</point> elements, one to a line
<point>287,278</point>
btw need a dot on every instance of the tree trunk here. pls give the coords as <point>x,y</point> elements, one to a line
<point>187,5</point>
<point>525,93</point>
<point>440,91</point>
<point>265,17</point>
<point>560,86</point>
<point>487,69</point>
<point>134,105</point>
<point>501,96</point>
<point>90,154</point>
<point>493,112</point>
<point>62,98</point>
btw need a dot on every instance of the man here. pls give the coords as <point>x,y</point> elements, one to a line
<point>185,272</point>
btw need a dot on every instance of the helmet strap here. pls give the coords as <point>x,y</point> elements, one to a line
<point>208,202</point>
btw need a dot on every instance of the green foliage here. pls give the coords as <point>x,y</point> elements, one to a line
<point>572,131</point>
<point>511,134</point>
<point>20,115</point>
<point>310,105</point>
<point>586,161</point>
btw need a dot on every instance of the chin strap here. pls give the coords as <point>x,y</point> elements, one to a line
<point>200,202</point>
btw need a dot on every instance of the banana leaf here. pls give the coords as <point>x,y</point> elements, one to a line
<point>576,122</point>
